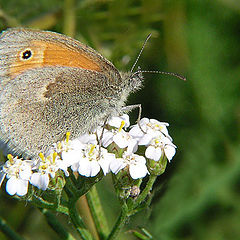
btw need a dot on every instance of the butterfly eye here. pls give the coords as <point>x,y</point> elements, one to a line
<point>26,54</point>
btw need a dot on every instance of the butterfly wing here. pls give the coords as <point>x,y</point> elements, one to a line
<point>22,49</point>
<point>51,84</point>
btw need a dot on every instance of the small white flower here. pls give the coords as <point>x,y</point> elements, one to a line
<point>117,165</point>
<point>105,160</point>
<point>17,186</point>
<point>70,151</point>
<point>153,152</point>
<point>69,158</point>
<point>124,139</point>
<point>72,154</point>
<point>147,129</point>
<point>18,173</point>
<point>135,163</point>
<point>88,139</point>
<point>90,163</point>
<point>105,136</point>
<point>88,167</point>
<point>120,122</point>
<point>159,145</point>
<point>46,168</point>
<point>40,180</point>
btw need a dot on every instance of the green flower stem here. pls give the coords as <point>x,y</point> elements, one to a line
<point>85,213</point>
<point>87,184</point>
<point>146,191</point>
<point>40,203</point>
<point>56,226</point>
<point>130,208</point>
<point>120,222</point>
<point>97,213</point>
<point>9,232</point>
<point>70,189</point>
<point>78,223</point>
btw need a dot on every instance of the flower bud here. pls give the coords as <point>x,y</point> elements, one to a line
<point>157,167</point>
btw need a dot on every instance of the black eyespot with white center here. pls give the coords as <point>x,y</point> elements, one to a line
<point>26,54</point>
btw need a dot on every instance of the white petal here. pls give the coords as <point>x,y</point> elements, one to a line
<point>120,139</point>
<point>168,141</point>
<point>132,146</point>
<point>88,139</point>
<point>156,122</point>
<point>136,132</point>
<point>70,157</point>
<point>11,186</point>
<point>169,151</point>
<point>44,181</point>
<point>139,159</point>
<point>107,138</point>
<point>125,118</point>
<point>105,162</point>
<point>95,168</point>
<point>35,179</point>
<point>84,167</point>
<point>25,172</point>
<point>76,144</point>
<point>153,153</point>
<point>144,121</point>
<point>62,165</point>
<point>40,180</point>
<point>75,167</point>
<point>117,164</point>
<point>146,139</point>
<point>117,121</point>
<point>138,171</point>
<point>22,187</point>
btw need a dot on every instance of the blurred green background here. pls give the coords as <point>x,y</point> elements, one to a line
<point>198,197</point>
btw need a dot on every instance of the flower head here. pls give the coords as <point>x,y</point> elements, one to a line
<point>18,172</point>
<point>147,129</point>
<point>118,135</point>
<point>136,165</point>
<point>92,161</point>
<point>46,168</point>
<point>88,154</point>
<point>158,146</point>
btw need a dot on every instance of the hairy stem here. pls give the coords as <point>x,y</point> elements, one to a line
<point>56,225</point>
<point>9,232</point>
<point>97,213</point>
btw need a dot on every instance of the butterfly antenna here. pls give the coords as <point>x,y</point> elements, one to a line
<point>160,72</point>
<point>140,53</point>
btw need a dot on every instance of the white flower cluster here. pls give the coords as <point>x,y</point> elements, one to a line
<point>88,154</point>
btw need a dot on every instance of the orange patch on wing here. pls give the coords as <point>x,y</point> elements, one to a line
<point>52,54</point>
<point>58,54</point>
